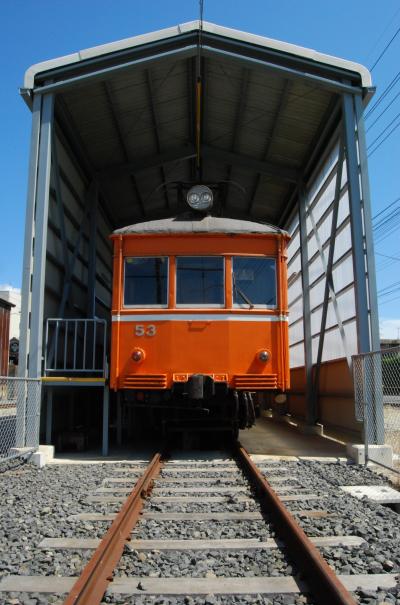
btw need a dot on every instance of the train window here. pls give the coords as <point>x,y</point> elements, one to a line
<point>200,281</point>
<point>146,281</point>
<point>254,281</point>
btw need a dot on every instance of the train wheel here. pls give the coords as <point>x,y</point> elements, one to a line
<point>243,411</point>
<point>252,412</point>
<point>235,431</point>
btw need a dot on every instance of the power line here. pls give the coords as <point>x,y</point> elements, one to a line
<point>389,289</point>
<point>385,208</point>
<point>383,112</point>
<point>383,94</point>
<point>386,256</point>
<point>387,26</point>
<point>385,49</point>
<point>384,130</point>
<point>385,302</point>
<point>383,140</point>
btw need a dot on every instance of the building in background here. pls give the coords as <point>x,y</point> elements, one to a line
<point>5,313</point>
<point>13,296</point>
<point>389,343</point>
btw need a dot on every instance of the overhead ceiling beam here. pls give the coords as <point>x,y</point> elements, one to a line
<point>289,73</point>
<point>156,127</point>
<point>187,152</point>
<point>313,155</point>
<point>191,84</point>
<point>118,130</point>
<point>277,171</point>
<point>237,124</point>
<point>77,146</point>
<point>107,72</point>
<point>282,101</point>
<point>179,154</point>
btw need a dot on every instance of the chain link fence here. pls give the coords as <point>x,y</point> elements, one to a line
<point>377,400</point>
<point>19,416</point>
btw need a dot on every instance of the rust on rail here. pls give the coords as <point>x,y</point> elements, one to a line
<point>326,587</point>
<point>97,574</point>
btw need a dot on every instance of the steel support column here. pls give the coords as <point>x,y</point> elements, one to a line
<point>356,222</point>
<point>310,408</point>
<point>91,285</point>
<point>49,415</point>
<point>361,231</point>
<point>375,429</point>
<point>35,258</point>
<point>29,235</point>
<point>369,243</point>
<point>27,267</point>
<point>106,416</point>
<point>119,418</point>
<point>40,239</point>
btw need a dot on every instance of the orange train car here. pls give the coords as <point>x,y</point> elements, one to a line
<point>199,318</point>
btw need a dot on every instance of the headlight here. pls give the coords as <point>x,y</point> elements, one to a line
<point>138,355</point>
<point>200,197</point>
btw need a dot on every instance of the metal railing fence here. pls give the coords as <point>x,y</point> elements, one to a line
<point>19,415</point>
<point>75,346</point>
<point>377,401</point>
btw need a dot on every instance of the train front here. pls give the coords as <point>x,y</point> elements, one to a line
<point>199,319</point>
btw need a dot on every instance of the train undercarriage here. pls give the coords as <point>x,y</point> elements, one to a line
<point>197,408</point>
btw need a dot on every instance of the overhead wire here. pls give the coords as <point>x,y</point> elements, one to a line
<point>385,49</point>
<point>380,139</point>
<point>386,222</point>
<point>386,208</point>
<point>385,139</point>
<point>381,35</point>
<point>383,112</point>
<point>383,94</point>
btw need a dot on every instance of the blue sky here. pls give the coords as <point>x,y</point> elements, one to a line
<point>36,30</point>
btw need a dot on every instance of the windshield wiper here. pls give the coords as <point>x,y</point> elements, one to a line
<point>241,293</point>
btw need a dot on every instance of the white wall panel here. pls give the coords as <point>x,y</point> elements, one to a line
<point>296,332</point>
<point>343,242</point>
<point>73,188</point>
<point>346,310</point>
<point>320,198</point>
<point>343,274</point>
<point>296,310</point>
<point>295,290</point>
<point>296,356</point>
<point>323,173</point>
<point>333,346</point>
<point>294,266</point>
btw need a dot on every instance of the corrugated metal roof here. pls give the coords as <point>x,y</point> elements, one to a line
<point>129,109</point>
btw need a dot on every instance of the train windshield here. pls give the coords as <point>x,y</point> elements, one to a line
<point>254,281</point>
<point>200,281</point>
<point>146,281</point>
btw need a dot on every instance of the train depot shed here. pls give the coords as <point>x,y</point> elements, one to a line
<point>121,131</point>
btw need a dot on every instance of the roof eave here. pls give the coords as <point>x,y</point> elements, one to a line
<point>164,34</point>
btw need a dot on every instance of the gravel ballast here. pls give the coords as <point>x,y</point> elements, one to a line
<point>36,504</point>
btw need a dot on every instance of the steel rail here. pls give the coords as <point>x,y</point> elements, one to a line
<point>98,572</point>
<point>325,586</point>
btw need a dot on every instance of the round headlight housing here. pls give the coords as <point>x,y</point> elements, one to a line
<point>200,197</point>
<point>138,355</point>
<point>264,355</point>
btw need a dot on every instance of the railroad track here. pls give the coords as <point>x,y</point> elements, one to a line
<point>231,491</point>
